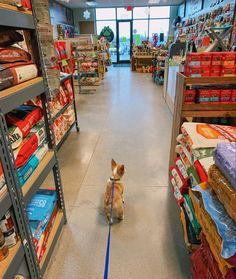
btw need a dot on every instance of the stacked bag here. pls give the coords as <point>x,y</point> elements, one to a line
<point>63,123</point>
<point>41,212</point>
<point>207,197</point>
<point>16,65</point>
<point>27,137</point>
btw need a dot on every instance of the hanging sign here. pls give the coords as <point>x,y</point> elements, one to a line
<point>107,33</point>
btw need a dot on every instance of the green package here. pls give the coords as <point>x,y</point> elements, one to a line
<point>193,175</point>
<point>191,214</point>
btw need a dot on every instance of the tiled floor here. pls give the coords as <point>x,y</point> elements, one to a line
<point>128,120</point>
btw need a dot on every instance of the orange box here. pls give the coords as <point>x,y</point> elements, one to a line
<point>233,96</point>
<point>204,96</point>
<point>228,59</point>
<point>189,96</point>
<point>215,95</point>
<point>206,59</point>
<point>228,71</point>
<point>225,95</point>
<point>216,59</point>
<point>193,59</point>
<point>215,71</point>
<point>195,72</point>
<point>206,71</point>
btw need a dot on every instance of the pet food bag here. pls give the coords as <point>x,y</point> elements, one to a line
<point>13,54</point>
<point>29,145</point>
<point>225,159</point>
<point>201,135</point>
<point>20,121</point>
<point>224,191</point>
<point>16,74</point>
<point>26,170</point>
<point>226,227</point>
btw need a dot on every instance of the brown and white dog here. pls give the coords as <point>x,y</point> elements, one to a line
<point>118,199</point>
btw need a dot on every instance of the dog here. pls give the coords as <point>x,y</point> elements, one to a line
<point>118,172</point>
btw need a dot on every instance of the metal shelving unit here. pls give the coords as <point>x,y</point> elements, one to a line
<point>18,197</point>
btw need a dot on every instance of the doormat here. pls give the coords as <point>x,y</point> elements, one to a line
<point>121,65</point>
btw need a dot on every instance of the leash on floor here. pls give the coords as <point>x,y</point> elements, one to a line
<point>109,234</point>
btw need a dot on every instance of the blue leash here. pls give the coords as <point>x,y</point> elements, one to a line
<point>109,235</point>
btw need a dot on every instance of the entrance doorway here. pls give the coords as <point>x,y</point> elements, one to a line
<point>124,41</point>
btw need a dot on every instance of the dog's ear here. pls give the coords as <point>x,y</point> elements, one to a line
<point>121,170</point>
<point>113,164</point>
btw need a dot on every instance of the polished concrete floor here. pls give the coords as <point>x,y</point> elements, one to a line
<point>128,120</point>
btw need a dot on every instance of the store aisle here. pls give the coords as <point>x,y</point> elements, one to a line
<point>127,120</point>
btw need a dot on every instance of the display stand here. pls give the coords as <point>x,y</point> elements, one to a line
<point>183,112</point>
<point>17,197</point>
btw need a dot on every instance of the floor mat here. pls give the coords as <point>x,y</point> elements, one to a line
<point>121,65</point>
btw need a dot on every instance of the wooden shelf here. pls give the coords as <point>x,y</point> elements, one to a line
<point>22,19</point>
<point>184,111</point>
<point>52,239</point>
<point>8,266</point>
<point>16,95</point>
<point>38,176</point>
<point>14,8</point>
<point>207,107</point>
<point>207,80</point>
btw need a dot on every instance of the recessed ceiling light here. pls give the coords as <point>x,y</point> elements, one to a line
<point>154,1</point>
<point>91,3</point>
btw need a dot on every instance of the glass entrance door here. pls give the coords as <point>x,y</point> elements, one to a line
<point>124,40</point>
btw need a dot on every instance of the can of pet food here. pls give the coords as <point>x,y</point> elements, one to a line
<point>6,223</point>
<point>10,237</point>
<point>3,247</point>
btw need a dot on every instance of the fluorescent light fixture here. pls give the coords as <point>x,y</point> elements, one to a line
<point>154,1</point>
<point>91,3</point>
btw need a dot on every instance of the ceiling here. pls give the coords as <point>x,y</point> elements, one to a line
<point>117,3</point>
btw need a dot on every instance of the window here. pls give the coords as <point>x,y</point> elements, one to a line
<point>158,26</point>
<point>140,12</point>
<point>122,13</point>
<point>107,13</point>
<point>112,24</point>
<point>140,31</point>
<point>160,12</point>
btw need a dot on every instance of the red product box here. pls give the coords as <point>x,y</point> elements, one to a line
<point>195,72</point>
<point>186,71</point>
<point>233,96</point>
<point>193,59</point>
<point>225,95</point>
<point>189,96</point>
<point>228,59</point>
<point>216,59</point>
<point>215,95</point>
<point>204,96</point>
<point>228,71</point>
<point>206,71</point>
<point>206,59</point>
<point>215,71</point>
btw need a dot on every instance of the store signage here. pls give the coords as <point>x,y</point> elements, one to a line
<point>195,6</point>
<point>86,14</point>
<point>107,33</point>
